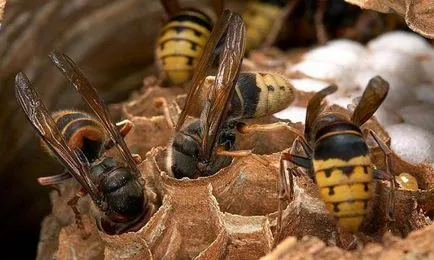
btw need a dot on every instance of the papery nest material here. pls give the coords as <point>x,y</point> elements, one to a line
<point>417,245</point>
<point>232,214</point>
<point>229,214</point>
<point>153,121</point>
<point>189,223</point>
<point>419,15</point>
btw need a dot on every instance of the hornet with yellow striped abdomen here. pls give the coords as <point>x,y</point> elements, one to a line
<point>338,157</point>
<point>182,40</point>
<point>260,17</point>
<point>257,94</point>
<point>219,102</point>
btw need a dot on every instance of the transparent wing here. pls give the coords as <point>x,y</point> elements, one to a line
<point>44,124</point>
<point>88,92</point>
<point>372,97</point>
<point>314,107</point>
<point>216,107</point>
<point>203,66</point>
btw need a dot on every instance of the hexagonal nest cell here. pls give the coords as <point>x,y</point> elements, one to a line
<point>233,214</point>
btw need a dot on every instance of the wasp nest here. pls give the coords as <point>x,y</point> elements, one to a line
<point>234,214</point>
<point>415,12</point>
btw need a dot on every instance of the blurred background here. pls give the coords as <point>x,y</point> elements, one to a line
<point>113,42</point>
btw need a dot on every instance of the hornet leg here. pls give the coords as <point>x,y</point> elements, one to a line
<point>78,219</point>
<point>237,153</point>
<point>286,184</point>
<point>321,32</point>
<point>244,128</point>
<point>275,29</point>
<point>286,192</point>
<point>54,181</point>
<point>388,158</point>
<point>137,158</point>
<point>161,102</point>
<point>124,127</point>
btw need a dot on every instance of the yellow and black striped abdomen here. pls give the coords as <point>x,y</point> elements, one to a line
<point>181,44</point>
<point>259,19</point>
<point>80,131</point>
<point>259,94</point>
<point>343,173</point>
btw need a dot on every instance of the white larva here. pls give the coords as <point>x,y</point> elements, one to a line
<point>411,143</point>
<point>400,41</point>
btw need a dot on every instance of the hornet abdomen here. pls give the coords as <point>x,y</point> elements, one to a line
<point>181,44</point>
<point>80,131</point>
<point>343,173</point>
<point>259,94</point>
<point>259,19</point>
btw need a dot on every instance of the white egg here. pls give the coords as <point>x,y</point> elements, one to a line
<point>319,70</point>
<point>308,85</point>
<point>387,117</point>
<point>427,64</point>
<point>348,45</point>
<point>324,71</point>
<point>362,78</point>
<point>340,100</point>
<point>411,143</point>
<point>405,67</point>
<point>400,92</point>
<point>425,93</point>
<point>400,41</point>
<point>421,115</point>
<point>335,54</point>
<point>384,116</point>
<point>293,113</point>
